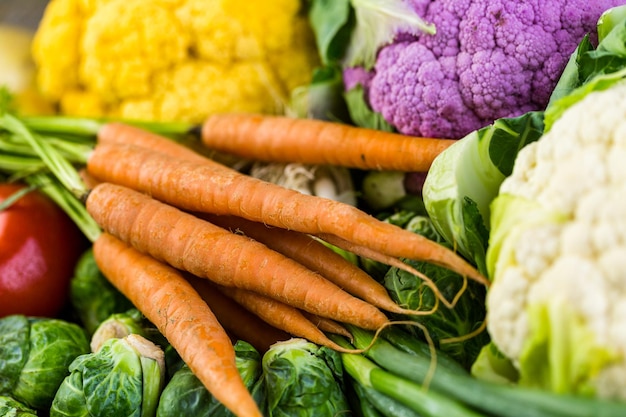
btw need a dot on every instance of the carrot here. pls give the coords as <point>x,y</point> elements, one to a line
<point>327,325</point>
<point>317,257</point>
<point>237,320</point>
<point>89,181</point>
<point>163,295</point>
<point>206,186</point>
<point>394,262</point>
<point>205,250</point>
<point>122,133</point>
<point>282,316</point>
<point>300,247</point>
<point>284,139</point>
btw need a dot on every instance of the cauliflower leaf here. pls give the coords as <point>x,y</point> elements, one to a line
<point>377,24</point>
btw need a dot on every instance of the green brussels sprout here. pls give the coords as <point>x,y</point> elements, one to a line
<point>303,379</point>
<point>34,357</point>
<point>10,407</point>
<point>123,378</point>
<point>120,325</point>
<point>185,395</point>
<point>92,296</point>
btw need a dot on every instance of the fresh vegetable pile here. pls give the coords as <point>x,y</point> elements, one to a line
<point>211,287</point>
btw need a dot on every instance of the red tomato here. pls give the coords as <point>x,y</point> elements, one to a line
<point>39,247</point>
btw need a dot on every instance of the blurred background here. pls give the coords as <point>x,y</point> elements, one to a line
<point>22,12</point>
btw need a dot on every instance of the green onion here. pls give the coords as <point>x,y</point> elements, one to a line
<point>498,399</point>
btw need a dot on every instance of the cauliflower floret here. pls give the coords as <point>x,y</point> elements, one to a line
<point>172,60</point>
<point>558,253</point>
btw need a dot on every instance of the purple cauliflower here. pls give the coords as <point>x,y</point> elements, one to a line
<point>488,59</point>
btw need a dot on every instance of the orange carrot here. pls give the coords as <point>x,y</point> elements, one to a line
<point>298,246</point>
<point>89,181</point>
<point>122,133</point>
<point>317,257</point>
<point>282,316</point>
<point>210,187</point>
<point>237,320</point>
<point>205,250</point>
<point>327,325</point>
<point>366,252</point>
<point>163,295</point>
<point>284,139</point>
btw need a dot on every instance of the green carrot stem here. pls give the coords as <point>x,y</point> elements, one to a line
<point>59,166</point>
<point>72,206</point>
<point>89,127</point>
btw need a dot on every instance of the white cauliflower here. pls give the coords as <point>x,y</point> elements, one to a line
<point>557,255</point>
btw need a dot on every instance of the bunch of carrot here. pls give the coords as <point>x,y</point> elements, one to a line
<point>195,244</point>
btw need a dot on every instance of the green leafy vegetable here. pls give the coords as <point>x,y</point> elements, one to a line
<point>592,69</point>
<point>303,379</point>
<point>124,378</point>
<point>34,357</point>
<point>465,318</point>
<point>119,325</point>
<point>184,395</point>
<point>332,22</point>
<point>362,114</point>
<point>466,177</point>
<point>323,98</point>
<point>92,296</point>
<point>9,407</point>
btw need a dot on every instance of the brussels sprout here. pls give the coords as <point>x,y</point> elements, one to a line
<point>34,357</point>
<point>92,296</point>
<point>10,407</point>
<point>185,395</point>
<point>303,379</point>
<point>118,325</point>
<point>383,189</point>
<point>124,378</point>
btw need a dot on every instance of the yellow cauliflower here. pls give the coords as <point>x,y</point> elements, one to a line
<point>172,59</point>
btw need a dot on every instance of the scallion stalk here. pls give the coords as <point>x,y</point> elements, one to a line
<point>496,399</point>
